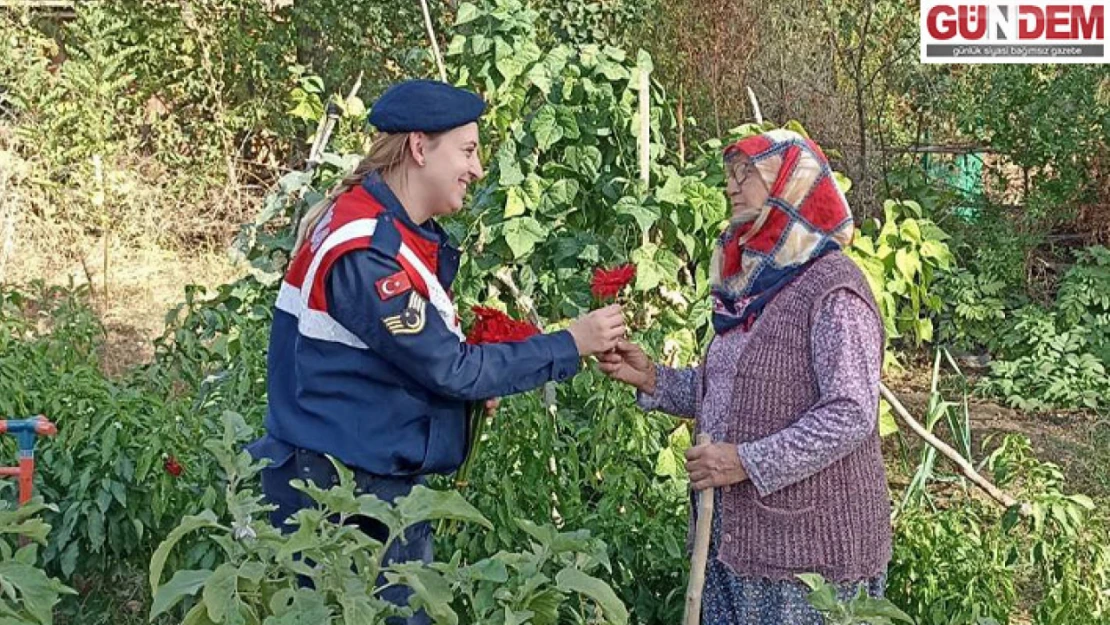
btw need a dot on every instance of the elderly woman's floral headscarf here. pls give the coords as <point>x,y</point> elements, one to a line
<point>805,217</point>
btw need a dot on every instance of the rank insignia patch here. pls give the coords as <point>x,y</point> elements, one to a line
<point>410,320</point>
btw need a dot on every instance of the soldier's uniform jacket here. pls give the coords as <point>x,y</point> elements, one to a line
<point>367,361</point>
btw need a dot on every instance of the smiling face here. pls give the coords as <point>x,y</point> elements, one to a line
<point>451,164</point>
<point>746,190</point>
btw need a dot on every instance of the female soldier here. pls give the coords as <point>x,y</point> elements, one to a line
<point>367,363</point>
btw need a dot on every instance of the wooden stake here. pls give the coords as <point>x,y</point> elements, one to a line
<point>755,106</point>
<point>645,125</point>
<point>432,38</point>
<point>681,130</point>
<point>645,135</point>
<point>702,534</point>
<point>954,456</point>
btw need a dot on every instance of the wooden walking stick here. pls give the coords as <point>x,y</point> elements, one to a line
<point>702,534</point>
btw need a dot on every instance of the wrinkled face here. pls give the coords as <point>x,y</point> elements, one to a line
<point>746,190</point>
<point>450,165</point>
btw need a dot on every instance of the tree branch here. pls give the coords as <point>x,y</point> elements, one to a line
<point>954,456</point>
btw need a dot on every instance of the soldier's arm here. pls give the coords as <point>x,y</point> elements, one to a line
<point>404,329</point>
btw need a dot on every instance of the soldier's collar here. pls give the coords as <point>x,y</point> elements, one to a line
<point>377,187</point>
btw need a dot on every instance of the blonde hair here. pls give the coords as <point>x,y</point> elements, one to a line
<point>386,154</point>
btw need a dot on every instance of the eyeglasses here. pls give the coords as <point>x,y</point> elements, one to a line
<point>747,170</point>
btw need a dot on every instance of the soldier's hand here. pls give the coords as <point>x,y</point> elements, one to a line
<point>598,331</point>
<point>491,405</point>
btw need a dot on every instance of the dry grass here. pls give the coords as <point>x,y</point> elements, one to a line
<point>143,283</point>
<point>157,244</point>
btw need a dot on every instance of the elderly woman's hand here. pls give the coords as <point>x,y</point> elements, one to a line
<point>629,364</point>
<point>714,465</point>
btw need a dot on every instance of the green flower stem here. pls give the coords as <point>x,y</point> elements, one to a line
<point>462,478</point>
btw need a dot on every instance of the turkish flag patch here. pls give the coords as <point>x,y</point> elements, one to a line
<point>394,285</point>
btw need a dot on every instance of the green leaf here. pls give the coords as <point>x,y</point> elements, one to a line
<point>887,423</point>
<point>545,535</point>
<point>515,618</point>
<point>514,203</point>
<point>546,127</point>
<point>812,580</point>
<point>69,558</point>
<point>425,504</point>
<point>119,492</point>
<point>545,607</point>
<point>908,263</point>
<point>568,121</point>
<point>910,230</point>
<point>198,615</point>
<point>1083,501</point>
<point>253,572</point>
<point>430,590</point>
<point>585,160</point>
<point>797,127</point>
<point>671,191</point>
<point>679,439</point>
<point>872,608</point>
<point>645,216</point>
<point>467,13</point>
<point>188,524</point>
<point>522,234</point>
<point>489,570</point>
<point>219,594</point>
<point>648,272</point>
<point>358,609</point>
<point>667,464</point>
<point>865,245</point>
<point>937,251</point>
<point>613,71</point>
<point>480,44</point>
<point>185,583</point>
<point>823,599</point>
<point>509,66</point>
<point>95,528</point>
<point>571,579</point>
<point>38,592</point>
<point>562,193</point>
<point>844,183</point>
<point>510,174</point>
<point>931,231</point>
<point>303,607</point>
<point>457,46</point>
<point>654,266</point>
<point>924,329</point>
<point>540,76</point>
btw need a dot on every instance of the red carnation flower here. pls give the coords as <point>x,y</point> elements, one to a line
<point>493,326</point>
<point>173,467</point>
<point>608,282</point>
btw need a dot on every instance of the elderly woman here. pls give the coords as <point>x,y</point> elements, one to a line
<point>788,392</point>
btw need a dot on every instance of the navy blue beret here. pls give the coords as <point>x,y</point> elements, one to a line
<point>425,106</point>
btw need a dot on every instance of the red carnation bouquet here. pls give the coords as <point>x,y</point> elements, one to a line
<point>608,283</point>
<point>493,326</point>
<point>490,326</point>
